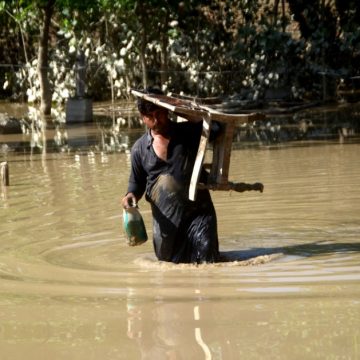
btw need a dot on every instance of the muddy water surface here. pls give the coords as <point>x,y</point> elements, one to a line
<point>70,287</point>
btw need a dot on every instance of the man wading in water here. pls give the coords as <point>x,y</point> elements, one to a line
<point>162,162</point>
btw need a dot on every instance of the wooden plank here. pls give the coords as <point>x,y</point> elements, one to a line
<point>179,106</point>
<point>199,157</point>
<point>222,145</point>
<point>231,186</point>
<point>198,100</point>
<point>187,108</point>
<point>223,117</point>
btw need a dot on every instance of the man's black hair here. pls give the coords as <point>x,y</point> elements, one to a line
<point>146,107</point>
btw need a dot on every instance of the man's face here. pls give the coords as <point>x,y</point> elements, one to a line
<point>156,120</point>
<point>149,120</point>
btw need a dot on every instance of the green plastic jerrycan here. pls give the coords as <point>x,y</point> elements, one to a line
<point>134,226</point>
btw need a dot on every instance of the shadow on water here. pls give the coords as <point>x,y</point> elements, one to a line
<point>257,256</point>
<point>303,250</point>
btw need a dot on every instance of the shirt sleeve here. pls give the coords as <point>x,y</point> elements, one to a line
<point>137,179</point>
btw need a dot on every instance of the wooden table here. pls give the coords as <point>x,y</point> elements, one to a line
<point>219,166</point>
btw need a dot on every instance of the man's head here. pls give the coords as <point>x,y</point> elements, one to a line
<point>146,107</point>
<point>155,117</point>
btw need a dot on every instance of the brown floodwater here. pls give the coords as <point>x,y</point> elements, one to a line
<point>70,287</point>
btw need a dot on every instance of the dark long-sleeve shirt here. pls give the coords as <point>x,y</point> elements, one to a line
<point>146,166</point>
<point>183,231</point>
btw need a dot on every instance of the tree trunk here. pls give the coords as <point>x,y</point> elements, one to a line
<point>143,59</point>
<point>275,11</point>
<point>163,57</point>
<point>43,58</point>
<point>164,40</point>
<point>141,13</point>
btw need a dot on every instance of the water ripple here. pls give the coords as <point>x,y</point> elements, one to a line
<point>62,234</point>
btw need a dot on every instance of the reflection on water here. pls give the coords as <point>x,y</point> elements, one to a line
<point>27,131</point>
<point>110,130</point>
<point>249,329</point>
<point>71,288</point>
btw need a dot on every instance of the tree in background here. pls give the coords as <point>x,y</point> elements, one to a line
<point>331,31</point>
<point>46,10</point>
<point>230,47</point>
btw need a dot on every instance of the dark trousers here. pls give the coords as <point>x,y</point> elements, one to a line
<point>183,231</point>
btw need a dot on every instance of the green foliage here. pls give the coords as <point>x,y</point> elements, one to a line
<point>200,47</point>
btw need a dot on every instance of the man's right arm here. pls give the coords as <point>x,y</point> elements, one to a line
<point>137,179</point>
